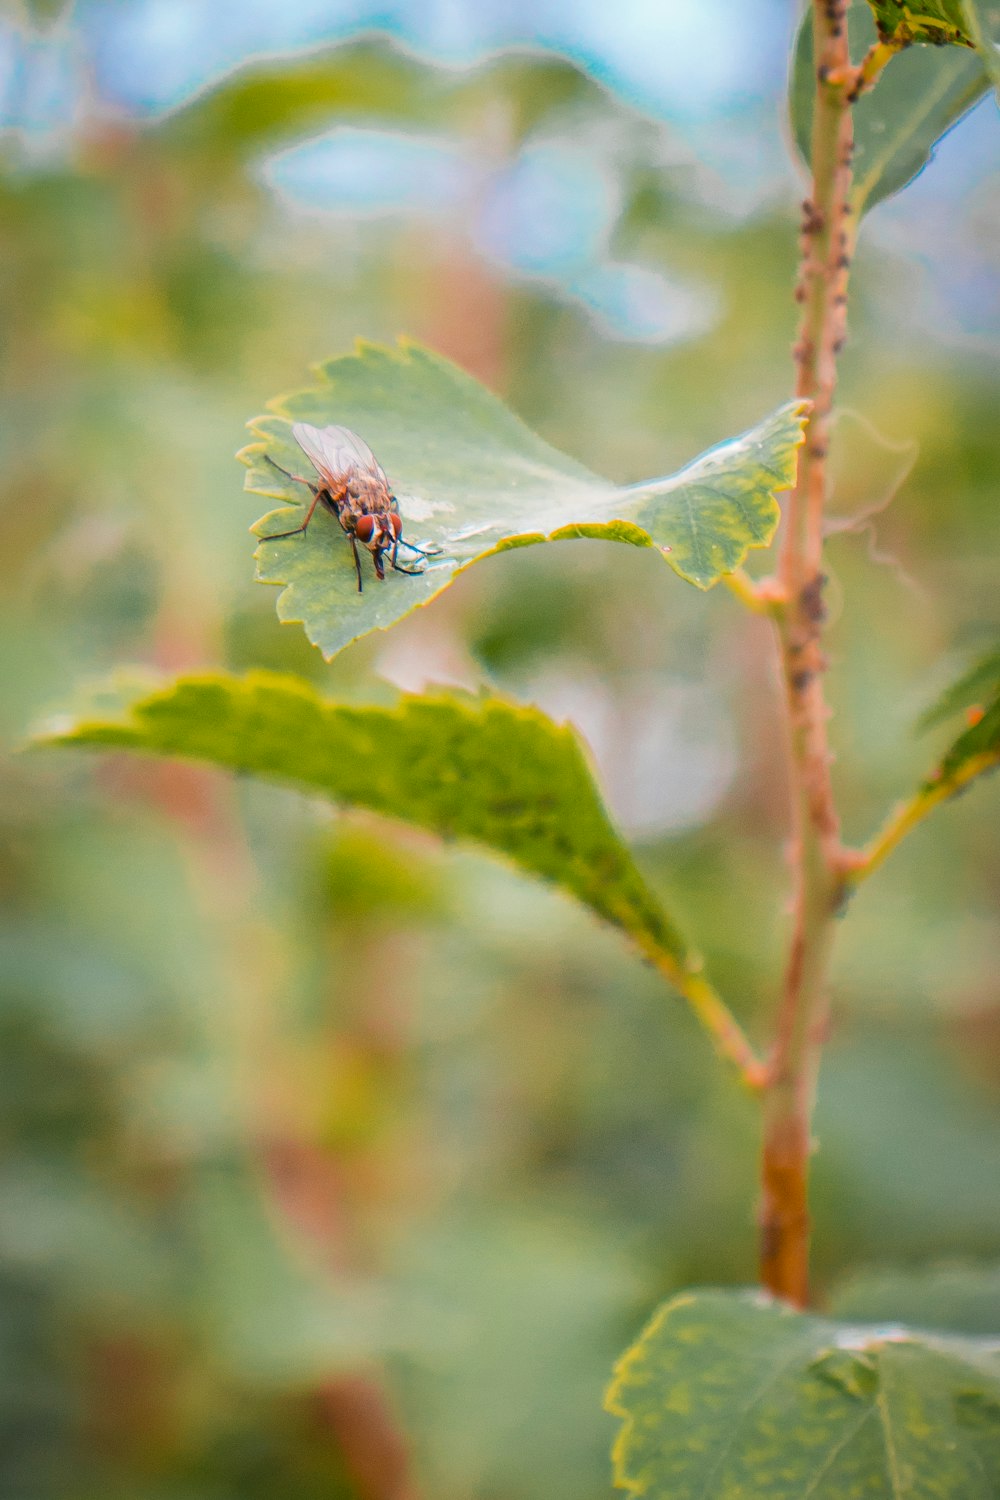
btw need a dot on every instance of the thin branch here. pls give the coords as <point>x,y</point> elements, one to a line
<point>761,598</point>
<point>869,69</point>
<point>722,1026</point>
<point>712,1013</point>
<point>910,814</point>
<point>827,242</point>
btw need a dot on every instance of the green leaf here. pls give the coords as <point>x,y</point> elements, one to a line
<point>957,1298</point>
<point>979,685</point>
<point>940,22</point>
<point>977,748</point>
<point>473,480</point>
<point>919,97</point>
<point>730,1394</point>
<point>274,102</point>
<point>983,17</point>
<point>480,769</point>
<point>975,751</point>
<point>42,13</point>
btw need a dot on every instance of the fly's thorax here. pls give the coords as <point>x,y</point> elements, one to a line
<point>367,494</point>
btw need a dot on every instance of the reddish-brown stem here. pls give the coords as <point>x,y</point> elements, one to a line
<point>827,245</point>
<point>375,1453</point>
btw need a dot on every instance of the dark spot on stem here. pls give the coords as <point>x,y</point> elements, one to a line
<point>811,599</point>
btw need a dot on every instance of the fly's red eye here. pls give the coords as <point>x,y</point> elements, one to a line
<point>365,528</point>
<point>396,522</point>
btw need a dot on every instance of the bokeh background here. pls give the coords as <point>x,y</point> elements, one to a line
<point>288,1098</point>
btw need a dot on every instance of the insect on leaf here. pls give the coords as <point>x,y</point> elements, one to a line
<point>471,480</point>
<point>479,769</point>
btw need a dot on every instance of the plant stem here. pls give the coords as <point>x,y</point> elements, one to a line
<point>742,586</point>
<point>722,1026</point>
<point>827,241</point>
<point>870,67</point>
<point>710,1010</point>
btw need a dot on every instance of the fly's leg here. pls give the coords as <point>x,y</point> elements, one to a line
<point>410,572</point>
<point>330,500</point>
<point>357,560</point>
<point>397,567</point>
<point>431,550</point>
<point>276,537</point>
<point>295,478</point>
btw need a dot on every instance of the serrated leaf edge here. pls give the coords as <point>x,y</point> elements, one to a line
<point>621,529</point>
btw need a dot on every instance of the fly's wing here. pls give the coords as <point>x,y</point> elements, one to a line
<point>335,451</point>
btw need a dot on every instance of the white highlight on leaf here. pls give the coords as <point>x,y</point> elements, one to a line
<point>413,508</point>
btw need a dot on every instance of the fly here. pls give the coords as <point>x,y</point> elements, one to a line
<point>353,487</point>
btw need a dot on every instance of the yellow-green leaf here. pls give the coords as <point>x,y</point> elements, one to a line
<point>730,1394</point>
<point>977,748</point>
<point>940,22</point>
<point>960,23</point>
<point>480,769</point>
<point>473,480</point>
<point>273,102</point>
<point>977,687</point>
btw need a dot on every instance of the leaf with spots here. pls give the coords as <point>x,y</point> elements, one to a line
<point>730,1394</point>
<point>479,769</point>
<point>943,23</point>
<point>939,22</point>
<point>921,94</point>
<point>977,748</point>
<point>473,480</point>
<point>977,686</point>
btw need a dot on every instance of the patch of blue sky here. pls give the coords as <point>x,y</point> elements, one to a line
<point>688,58</point>
<point>152,55</point>
<point>945,222</point>
<point>546,217</point>
<point>40,83</point>
<point>712,67</point>
<point>548,213</point>
<point>640,305</point>
<point>370,172</point>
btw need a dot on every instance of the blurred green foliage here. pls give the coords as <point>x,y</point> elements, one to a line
<point>254,1138</point>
